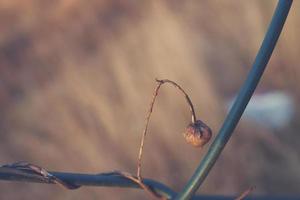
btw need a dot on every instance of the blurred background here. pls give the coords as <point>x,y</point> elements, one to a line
<point>76,79</point>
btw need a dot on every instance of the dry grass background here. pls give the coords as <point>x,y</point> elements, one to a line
<point>76,78</point>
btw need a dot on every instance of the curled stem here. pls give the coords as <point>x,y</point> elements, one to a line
<point>159,83</point>
<point>187,98</point>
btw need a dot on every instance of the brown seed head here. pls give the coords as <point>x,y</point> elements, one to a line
<point>197,134</point>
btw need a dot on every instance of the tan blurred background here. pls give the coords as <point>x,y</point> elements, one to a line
<point>76,78</point>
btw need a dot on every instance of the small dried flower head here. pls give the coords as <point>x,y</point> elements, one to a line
<point>197,133</point>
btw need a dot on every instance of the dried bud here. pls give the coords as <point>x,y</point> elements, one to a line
<point>197,134</point>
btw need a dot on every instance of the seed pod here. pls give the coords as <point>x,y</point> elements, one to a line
<point>197,134</point>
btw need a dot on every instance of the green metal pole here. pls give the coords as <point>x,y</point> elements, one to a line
<point>241,101</point>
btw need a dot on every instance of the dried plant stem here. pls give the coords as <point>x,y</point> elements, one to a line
<point>159,83</point>
<point>188,100</point>
<point>245,194</point>
<point>145,131</point>
<point>141,184</point>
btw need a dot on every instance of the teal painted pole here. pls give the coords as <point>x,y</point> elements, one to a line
<point>241,101</point>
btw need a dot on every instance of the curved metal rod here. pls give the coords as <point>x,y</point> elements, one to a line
<point>241,101</point>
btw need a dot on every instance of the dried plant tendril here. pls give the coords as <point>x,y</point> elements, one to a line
<point>197,133</point>
<point>245,193</point>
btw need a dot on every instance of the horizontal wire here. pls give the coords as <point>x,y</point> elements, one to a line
<point>110,179</point>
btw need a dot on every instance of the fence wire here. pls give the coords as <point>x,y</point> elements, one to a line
<point>27,172</point>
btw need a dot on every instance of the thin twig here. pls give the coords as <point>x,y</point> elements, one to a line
<point>145,131</point>
<point>141,184</point>
<point>159,83</point>
<point>185,95</point>
<point>245,193</point>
